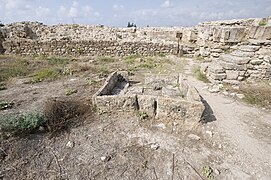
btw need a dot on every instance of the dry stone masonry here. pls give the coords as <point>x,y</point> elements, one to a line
<point>239,49</point>
<point>159,96</point>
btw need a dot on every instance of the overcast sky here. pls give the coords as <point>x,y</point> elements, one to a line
<point>142,12</point>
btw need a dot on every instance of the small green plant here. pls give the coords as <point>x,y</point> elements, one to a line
<point>6,105</point>
<point>199,75</point>
<point>45,74</point>
<point>208,172</point>
<point>22,123</point>
<point>263,22</point>
<point>162,55</point>
<point>70,92</point>
<point>75,26</point>
<point>90,81</point>
<point>142,115</point>
<point>105,59</point>
<point>79,50</point>
<point>67,72</point>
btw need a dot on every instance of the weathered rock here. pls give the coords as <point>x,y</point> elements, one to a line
<point>256,61</point>
<point>232,75</point>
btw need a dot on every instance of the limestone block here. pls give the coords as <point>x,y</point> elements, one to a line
<point>147,104</point>
<point>178,109</point>
<point>264,51</point>
<point>232,75</point>
<point>219,77</point>
<point>234,59</point>
<point>242,53</point>
<point>116,102</point>
<point>232,34</point>
<point>249,48</point>
<point>256,61</point>
<point>204,52</point>
<point>216,69</point>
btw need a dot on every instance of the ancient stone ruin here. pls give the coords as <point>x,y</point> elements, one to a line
<point>159,96</point>
<point>239,49</point>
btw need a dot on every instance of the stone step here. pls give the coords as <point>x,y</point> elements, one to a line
<point>234,59</point>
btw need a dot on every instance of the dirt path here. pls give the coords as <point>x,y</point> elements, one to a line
<point>247,128</point>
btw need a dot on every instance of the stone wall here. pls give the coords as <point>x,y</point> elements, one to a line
<point>230,45</point>
<point>89,48</point>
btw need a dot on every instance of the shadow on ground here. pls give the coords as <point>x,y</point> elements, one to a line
<point>208,113</point>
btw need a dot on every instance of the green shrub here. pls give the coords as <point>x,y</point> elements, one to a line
<point>199,75</point>
<point>208,172</point>
<point>262,23</point>
<point>22,123</point>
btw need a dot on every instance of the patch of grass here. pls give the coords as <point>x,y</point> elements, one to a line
<point>263,22</point>
<point>208,172</point>
<point>90,81</point>
<point>22,123</point>
<point>102,70</point>
<point>131,59</point>
<point>142,115</point>
<point>257,93</point>
<point>147,63</point>
<point>162,55</point>
<point>14,68</point>
<point>56,61</point>
<point>105,59</point>
<point>6,105</point>
<point>199,75</point>
<point>48,74</point>
<point>70,92</point>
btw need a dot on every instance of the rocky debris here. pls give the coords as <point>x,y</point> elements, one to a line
<point>70,144</point>
<point>194,137</point>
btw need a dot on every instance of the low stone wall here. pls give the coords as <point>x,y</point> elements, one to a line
<point>89,48</point>
<point>180,102</point>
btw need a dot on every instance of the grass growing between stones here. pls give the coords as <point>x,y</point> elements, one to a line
<point>199,75</point>
<point>257,94</point>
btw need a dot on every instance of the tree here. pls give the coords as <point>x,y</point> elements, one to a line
<point>1,24</point>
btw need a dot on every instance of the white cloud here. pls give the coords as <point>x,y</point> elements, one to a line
<point>61,11</point>
<point>167,4</point>
<point>97,14</point>
<point>117,7</point>
<point>42,11</point>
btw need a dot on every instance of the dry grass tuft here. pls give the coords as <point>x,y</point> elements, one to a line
<point>257,94</point>
<point>62,114</point>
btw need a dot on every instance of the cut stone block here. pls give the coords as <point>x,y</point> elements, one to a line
<point>176,102</point>
<point>232,75</point>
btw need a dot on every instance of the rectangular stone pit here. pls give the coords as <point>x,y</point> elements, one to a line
<point>162,97</point>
